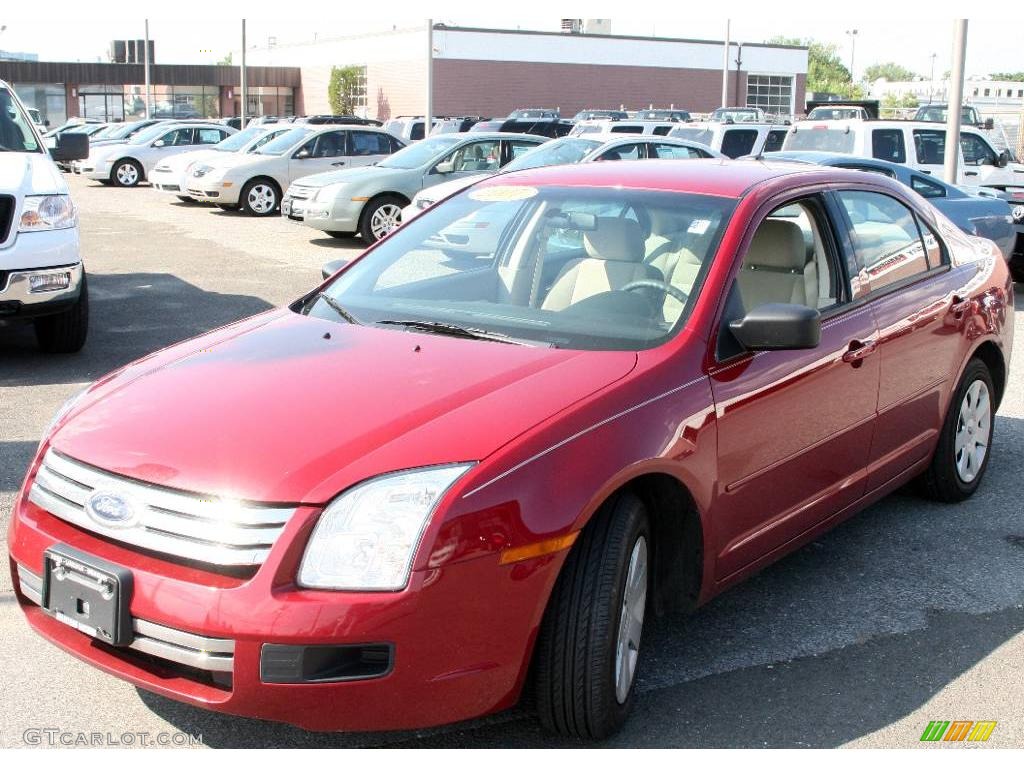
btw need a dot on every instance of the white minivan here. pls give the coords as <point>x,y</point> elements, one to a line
<point>42,278</point>
<point>920,145</point>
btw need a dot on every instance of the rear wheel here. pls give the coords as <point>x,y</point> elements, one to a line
<point>226,207</point>
<point>961,456</point>
<point>589,643</point>
<point>260,197</point>
<point>381,217</point>
<point>65,332</point>
<point>126,173</point>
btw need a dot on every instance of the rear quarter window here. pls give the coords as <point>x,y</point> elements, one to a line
<point>821,139</point>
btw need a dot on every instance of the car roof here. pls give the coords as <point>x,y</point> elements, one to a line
<point>713,176</point>
<point>477,135</point>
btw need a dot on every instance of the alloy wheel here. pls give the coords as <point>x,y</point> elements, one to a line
<point>385,220</point>
<point>631,620</point>
<point>973,429</point>
<point>127,174</point>
<point>262,198</point>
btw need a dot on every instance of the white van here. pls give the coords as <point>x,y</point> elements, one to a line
<point>42,278</point>
<point>734,139</point>
<point>920,145</point>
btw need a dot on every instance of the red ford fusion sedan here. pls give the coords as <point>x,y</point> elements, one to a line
<point>443,476</point>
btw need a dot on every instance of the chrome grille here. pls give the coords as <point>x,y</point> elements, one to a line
<point>206,529</point>
<point>209,653</point>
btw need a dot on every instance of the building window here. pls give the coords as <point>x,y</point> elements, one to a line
<point>1020,93</point>
<point>48,98</point>
<point>772,93</point>
<point>986,91</point>
<point>269,100</point>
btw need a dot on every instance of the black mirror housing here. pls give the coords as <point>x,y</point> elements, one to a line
<point>331,267</point>
<point>778,327</point>
<point>1003,159</point>
<point>70,146</point>
<point>989,124</point>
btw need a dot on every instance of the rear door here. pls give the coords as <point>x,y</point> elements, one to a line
<point>930,152</point>
<point>980,159</point>
<point>904,266</point>
<point>367,148</point>
<point>737,142</point>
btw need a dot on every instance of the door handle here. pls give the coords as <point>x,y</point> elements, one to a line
<point>970,173</point>
<point>340,162</point>
<point>858,351</point>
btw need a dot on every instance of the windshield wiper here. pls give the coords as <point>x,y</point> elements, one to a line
<point>331,302</point>
<point>458,331</point>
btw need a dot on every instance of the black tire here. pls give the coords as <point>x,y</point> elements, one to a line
<point>65,332</point>
<point>226,207</point>
<point>105,182</point>
<point>124,180</point>
<point>341,235</point>
<point>575,659</point>
<point>371,209</point>
<point>270,193</point>
<point>942,481</point>
<point>1017,268</point>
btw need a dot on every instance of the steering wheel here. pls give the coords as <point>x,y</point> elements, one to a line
<point>671,290</point>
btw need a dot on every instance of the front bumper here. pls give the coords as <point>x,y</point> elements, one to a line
<point>97,170</point>
<point>166,181</point>
<point>339,215</point>
<point>31,254</point>
<point>460,635</point>
<point>212,192</point>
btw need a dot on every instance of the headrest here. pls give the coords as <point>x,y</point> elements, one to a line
<point>778,244</point>
<point>615,239</point>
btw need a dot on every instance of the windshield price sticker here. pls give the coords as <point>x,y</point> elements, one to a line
<point>502,194</point>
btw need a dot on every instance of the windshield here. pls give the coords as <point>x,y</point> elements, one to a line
<point>736,115</point>
<point>939,114</point>
<point>580,268</point>
<point>820,139</point>
<point>285,141</point>
<point>16,134</point>
<point>557,152</point>
<point>236,141</point>
<point>420,153</point>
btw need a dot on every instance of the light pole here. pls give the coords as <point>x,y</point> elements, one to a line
<point>853,48</point>
<point>931,81</point>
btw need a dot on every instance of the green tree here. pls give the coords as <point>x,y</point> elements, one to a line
<point>906,101</point>
<point>890,71</point>
<point>1017,77</point>
<point>345,89</point>
<point>226,61</point>
<point>826,72</point>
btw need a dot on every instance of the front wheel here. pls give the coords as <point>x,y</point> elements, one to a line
<point>589,642</point>
<point>381,217</point>
<point>126,173</point>
<point>260,198</point>
<point>961,456</point>
<point>65,332</point>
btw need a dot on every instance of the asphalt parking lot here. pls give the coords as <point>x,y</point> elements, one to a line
<point>908,613</point>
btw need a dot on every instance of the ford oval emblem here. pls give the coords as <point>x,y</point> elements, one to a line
<point>111,509</point>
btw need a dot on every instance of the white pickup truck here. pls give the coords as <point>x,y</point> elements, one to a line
<point>42,278</point>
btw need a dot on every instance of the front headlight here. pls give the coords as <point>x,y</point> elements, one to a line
<point>44,212</point>
<point>201,171</point>
<point>330,192</point>
<point>367,537</point>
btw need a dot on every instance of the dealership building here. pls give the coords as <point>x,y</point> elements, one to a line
<point>493,71</point>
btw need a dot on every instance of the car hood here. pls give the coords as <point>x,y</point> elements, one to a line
<point>365,173</point>
<point>180,162</point>
<point>289,408</point>
<point>29,173</point>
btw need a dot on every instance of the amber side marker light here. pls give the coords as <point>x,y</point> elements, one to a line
<point>540,548</point>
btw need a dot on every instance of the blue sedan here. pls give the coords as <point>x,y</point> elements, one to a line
<point>976,214</point>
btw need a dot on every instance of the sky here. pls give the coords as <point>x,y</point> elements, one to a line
<point>882,34</point>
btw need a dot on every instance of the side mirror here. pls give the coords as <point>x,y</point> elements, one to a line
<point>1003,159</point>
<point>302,154</point>
<point>159,143</point>
<point>46,123</point>
<point>331,267</point>
<point>448,166</point>
<point>70,146</point>
<point>989,124</point>
<point>778,326</point>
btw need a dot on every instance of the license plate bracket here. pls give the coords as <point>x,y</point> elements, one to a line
<point>88,593</point>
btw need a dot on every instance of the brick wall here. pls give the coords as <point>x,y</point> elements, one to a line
<point>397,88</point>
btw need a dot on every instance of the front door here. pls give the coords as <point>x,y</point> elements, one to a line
<point>324,152</point>
<point>794,427</point>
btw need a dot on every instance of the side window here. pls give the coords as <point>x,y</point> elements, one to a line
<point>885,237</point>
<point>478,156</point>
<point>887,144</point>
<point>661,130</point>
<point>417,131</point>
<point>210,135</point>
<point>330,144</point>
<point>930,146</point>
<point>774,141</point>
<point>178,138</point>
<point>395,144</point>
<point>738,142</point>
<point>791,261</point>
<point>308,148</point>
<point>269,136</point>
<point>926,187</point>
<point>627,129</point>
<point>672,152</point>
<point>517,148</point>
<point>365,143</point>
<point>622,152</point>
<point>976,151</point>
